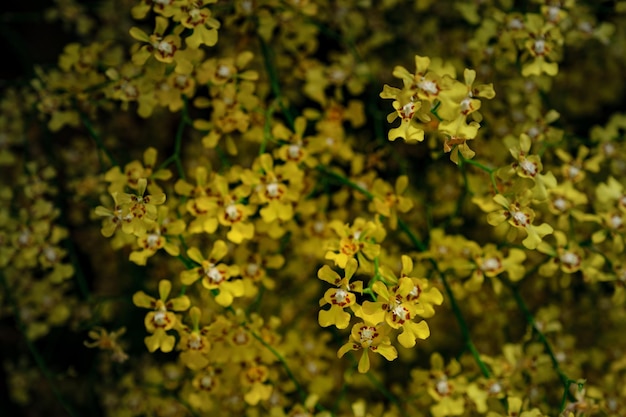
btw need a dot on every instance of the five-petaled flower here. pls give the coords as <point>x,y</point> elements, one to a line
<point>214,275</point>
<point>162,317</point>
<point>369,337</point>
<point>339,298</point>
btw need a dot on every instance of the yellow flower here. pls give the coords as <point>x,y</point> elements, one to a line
<point>232,210</point>
<point>138,210</point>
<point>107,341</point>
<point>219,71</point>
<point>491,262</point>
<point>528,166</point>
<point>136,170</point>
<point>542,43</point>
<point>201,201</point>
<point>339,298</point>
<point>389,203</point>
<point>361,240</point>
<point>276,188</point>
<point>198,19</point>
<point>444,385</point>
<point>160,235</point>
<point>519,216</point>
<point>296,149</point>
<point>162,318</point>
<point>368,337</point>
<point>158,45</point>
<point>397,308</point>
<point>406,110</point>
<point>215,276</point>
<point>253,379</point>
<point>162,7</point>
<point>193,342</point>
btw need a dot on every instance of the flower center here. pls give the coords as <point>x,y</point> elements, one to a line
<point>318,227</point>
<point>206,381</point>
<point>528,167</point>
<point>466,105</point>
<point>553,13</point>
<point>616,221</point>
<point>24,238</point>
<point>533,132</point>
<point>232,212</point>
<point>272,189</point>
<point>408,110</point>
<point>400,313</point>
<point>442,386</point>
<point>491,264</point>
<point>215,275</point>
<point>539,47</point>
<point>367,336</point>
<point>252,269</point>
<point>223,71</point>
<point>160,318</point>
<point>573,171</point>
<point>294,152</point>
<point>50,254</point>
<point>560,203</point>
<point>516,24</point>
<point>337,76</point>
<point>340,296</point>
<point>495,388</point>
<point>246,6</point>
<point>520,218</point>
<point>181,81</point>
<point>195,342</point>
<point>152,240</point>
<point>429,87</point>
<point>165,48</point>
<point>570,259</point>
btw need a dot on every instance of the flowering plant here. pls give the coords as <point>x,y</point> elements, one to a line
<point>316,208</point>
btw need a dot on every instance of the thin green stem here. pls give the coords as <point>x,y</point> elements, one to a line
<point>376,383</point>
<point>490,171</point>
<point>96,137</point>
<point>301,392</point>
<point>283,362</point>
<point>267,128</point>
<point>176,157</point>
<point>464,328</point>
<point>530,319</point>
<point>273,79</point>
<point>414,240</point>
<point>343,180</point>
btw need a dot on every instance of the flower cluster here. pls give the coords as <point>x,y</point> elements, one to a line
<point>206,212</point>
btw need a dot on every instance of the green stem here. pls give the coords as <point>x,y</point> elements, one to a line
<point>96,137</point>
<point>343,180</point>
<point>490,171</point>
<point>41,363</point>
<point>530,319</point>
<point>376,383</point>
<point>283,361</point>
<point>274,83</point>
<point>414,240</point>
<point>176,157</point>
<point>464,328</point>
<point>267,128</point>
<point>301,392</point>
